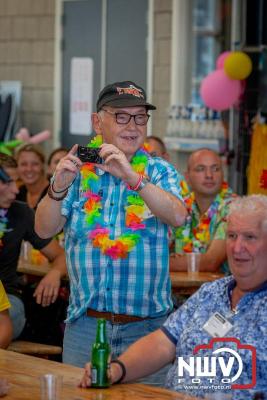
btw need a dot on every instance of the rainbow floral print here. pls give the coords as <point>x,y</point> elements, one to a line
<point>194,235</point>
<point>134,209</point>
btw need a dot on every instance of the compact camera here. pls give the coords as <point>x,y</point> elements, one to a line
<point>89,154</point>
<point>4,177</point>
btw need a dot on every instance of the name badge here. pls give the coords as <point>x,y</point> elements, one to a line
<point>217,325</point>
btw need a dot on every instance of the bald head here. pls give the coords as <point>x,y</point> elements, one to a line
<point>199,154</point>
<point>204,172</point>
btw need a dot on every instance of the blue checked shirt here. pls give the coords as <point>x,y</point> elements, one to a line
<point>139,285</point>
<point>185,329</point>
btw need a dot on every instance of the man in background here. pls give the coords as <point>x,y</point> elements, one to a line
<point>157,147</point>
<point>16,225</point>
<point>207,200</point>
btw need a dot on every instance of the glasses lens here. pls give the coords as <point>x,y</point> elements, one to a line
<point>141,119</point>
<point>123,118</point>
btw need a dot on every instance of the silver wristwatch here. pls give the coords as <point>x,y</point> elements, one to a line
<point>143,183</point>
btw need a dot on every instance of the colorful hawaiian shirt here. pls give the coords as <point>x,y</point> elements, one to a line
<point>186,329</point>
<point>199,230</point>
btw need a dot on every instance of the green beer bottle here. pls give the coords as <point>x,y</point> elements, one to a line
<point>100,357</point>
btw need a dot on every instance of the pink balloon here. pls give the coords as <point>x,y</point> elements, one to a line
<point>40,137</point>
<point>218,91</point>
<point>221,58</point>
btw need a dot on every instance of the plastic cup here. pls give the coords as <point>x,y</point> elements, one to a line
<point>26,251</point>
<point>50,386</point>
<point>193,263</point>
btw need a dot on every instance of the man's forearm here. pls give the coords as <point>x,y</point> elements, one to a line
<point>59,264</point>
<point>147,355</point>
<point>164,205</point>
<point>48,219</point>
<point>178,262</point>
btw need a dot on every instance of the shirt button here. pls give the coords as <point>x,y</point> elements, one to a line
<point>108,288</point>
<point>112,204</point>
<point>111,224</point>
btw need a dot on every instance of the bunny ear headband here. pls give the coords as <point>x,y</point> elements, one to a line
<point>23,136</point>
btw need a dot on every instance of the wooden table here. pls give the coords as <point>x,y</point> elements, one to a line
<point>23,372</point>
<point>182,283</point>
<point>26,267</point>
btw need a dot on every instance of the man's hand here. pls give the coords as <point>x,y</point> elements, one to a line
<point>4,387</point>
<point>177,262</point>
<point>116,163</point>
<point>114,374</point>
<point>47,290</point>
<point>86,380</point>
<point>66,170</point>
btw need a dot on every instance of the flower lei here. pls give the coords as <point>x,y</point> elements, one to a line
<point>99,234</point>
<point>3,225</point>
<point>194,235</point>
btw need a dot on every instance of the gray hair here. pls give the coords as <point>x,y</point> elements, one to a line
<point>252,204</point>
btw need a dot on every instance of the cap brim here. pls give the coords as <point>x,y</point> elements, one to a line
<point>133,102</point>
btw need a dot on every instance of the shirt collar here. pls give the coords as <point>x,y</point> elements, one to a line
<point>232,285</point>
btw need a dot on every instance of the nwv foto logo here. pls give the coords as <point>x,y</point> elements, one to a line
<point>207,366</point>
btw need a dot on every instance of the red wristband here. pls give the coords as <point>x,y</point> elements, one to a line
<point>135,188</point>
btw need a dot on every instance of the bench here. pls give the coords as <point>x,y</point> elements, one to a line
<point>34,349</point>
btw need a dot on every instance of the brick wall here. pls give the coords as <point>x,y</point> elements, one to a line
<point>162,64</point>
<point>27,54</point>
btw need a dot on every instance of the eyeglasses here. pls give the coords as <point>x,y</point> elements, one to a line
<point>124,118</point>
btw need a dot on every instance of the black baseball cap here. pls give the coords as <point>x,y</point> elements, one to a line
<point>123,94</point>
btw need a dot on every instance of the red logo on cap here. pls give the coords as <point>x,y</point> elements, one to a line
<point>132,90</point>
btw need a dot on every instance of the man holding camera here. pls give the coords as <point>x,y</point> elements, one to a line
<point>115,217</point>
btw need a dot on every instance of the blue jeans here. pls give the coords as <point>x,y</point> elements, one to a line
<point>80,335</point>
<point>17,315</point>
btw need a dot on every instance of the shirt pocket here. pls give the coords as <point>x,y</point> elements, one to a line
<point>151,227</point>
<point>77,227</point>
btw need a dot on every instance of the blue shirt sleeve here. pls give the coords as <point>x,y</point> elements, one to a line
<point>178,320</point>
<point>164,175</point>
<point>72,196</point>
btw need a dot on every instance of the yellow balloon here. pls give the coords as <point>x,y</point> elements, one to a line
<point>237,65</point>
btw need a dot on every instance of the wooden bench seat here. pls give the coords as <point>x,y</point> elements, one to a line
<point>37,349</point>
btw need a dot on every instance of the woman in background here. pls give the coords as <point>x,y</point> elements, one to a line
<point>43,324</point>
<point>54,159</point>
<point>31,169</point>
